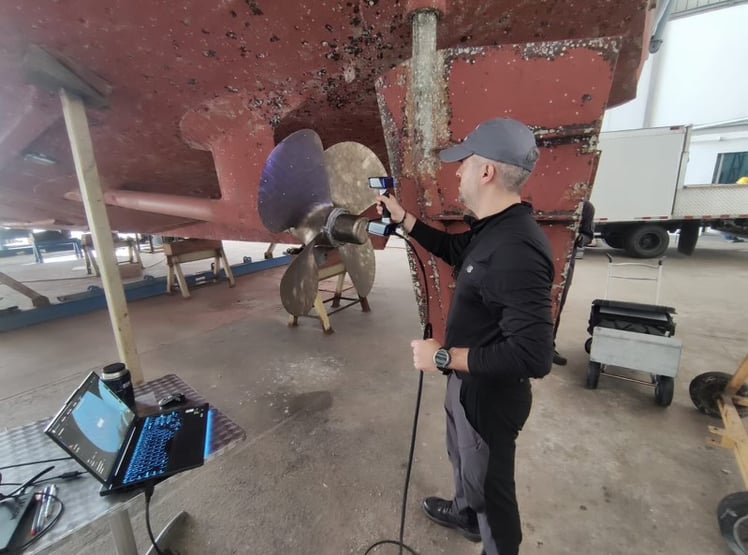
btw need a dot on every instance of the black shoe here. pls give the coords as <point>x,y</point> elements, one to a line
<point>443,512</point>
<point>558,359</point>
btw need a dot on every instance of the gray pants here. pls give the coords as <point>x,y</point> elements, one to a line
<point>469,456</point>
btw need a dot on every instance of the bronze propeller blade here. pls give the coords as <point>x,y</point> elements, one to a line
<point>299,283</point>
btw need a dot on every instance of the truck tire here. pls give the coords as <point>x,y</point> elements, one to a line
<point>646,241</point>
<point>689,235</point>
<point>613,238</point>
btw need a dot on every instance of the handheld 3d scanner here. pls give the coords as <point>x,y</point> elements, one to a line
<point>383,227</point>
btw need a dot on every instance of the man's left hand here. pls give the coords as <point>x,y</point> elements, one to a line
<point>423,354</point>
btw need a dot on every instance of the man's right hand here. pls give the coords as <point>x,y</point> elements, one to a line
<point>397,212</point>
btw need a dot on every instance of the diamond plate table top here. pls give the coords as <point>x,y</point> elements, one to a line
<point>83,504</point>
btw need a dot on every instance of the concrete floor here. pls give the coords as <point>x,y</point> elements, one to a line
<point>328,419</point>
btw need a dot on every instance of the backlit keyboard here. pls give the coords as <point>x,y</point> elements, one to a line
<point>151,455</point>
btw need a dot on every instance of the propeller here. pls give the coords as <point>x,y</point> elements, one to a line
<point>318,195</point>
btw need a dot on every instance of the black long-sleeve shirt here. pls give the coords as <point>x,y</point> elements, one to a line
<point>501,309</point>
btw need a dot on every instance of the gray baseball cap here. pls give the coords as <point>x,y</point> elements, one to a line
<point>501,140</point>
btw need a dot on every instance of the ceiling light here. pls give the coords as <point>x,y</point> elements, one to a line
<point>39,158</point>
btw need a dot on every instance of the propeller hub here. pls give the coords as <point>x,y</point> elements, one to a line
<point>344,228</point>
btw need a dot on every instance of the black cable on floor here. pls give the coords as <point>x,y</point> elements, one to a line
<point>400,542</point>
<point>148,494</point>
<point>427,334</point>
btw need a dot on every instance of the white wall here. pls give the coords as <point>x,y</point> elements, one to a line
<point>698,76</point>
<point>703,77</point>
<point>631,114</point>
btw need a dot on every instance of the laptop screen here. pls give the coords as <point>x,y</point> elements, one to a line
<point>93,426</point>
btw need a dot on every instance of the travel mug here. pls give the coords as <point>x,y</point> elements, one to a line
<point>117,377</point>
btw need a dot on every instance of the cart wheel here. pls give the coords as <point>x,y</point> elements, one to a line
<point>706,388</point>
<point>732,516</point>
<point>588,345</point>
<point>664,389</point>
<point>593,374</point>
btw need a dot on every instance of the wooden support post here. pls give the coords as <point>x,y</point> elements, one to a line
<point>190,250</point>
<point>170,280</point>
<point>134,250</point>
<point>333,270</point>
<point>133,253</point>
<point>338,290</point>
<point>216,266</point>
<point>93,200</point>
<point>322,313</point>
<point>227,269</point>
<point>734,434</point>
<point>738,379</point>
<point>37,299</point>
<point>182,281</point>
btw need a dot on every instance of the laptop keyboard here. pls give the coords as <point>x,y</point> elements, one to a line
<point>151,455</point>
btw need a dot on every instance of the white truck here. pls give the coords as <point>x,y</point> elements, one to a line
<point>639,195</point>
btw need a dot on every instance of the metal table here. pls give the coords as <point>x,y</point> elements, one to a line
<point>83,504</point>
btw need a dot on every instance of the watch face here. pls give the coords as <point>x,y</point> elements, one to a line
<point>442,358</point>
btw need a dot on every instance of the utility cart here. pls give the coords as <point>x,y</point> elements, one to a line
<point>634,336</point>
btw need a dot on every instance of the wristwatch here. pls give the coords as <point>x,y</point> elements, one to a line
<point>442,359</point>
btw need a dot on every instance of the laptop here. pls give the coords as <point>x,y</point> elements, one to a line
<point>122,450</point>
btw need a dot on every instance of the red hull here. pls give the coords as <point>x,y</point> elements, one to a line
<point>200,92</point>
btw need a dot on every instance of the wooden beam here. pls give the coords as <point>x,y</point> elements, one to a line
<point>93,200</point>
<point>37,299</point>
<point>736,433</point>
<point>738,378</point>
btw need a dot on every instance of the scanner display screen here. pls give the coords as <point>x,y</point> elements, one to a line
<point>382,182</point>
<point>93,425</point>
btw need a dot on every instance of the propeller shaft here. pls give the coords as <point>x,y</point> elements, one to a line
<point>346,228</point>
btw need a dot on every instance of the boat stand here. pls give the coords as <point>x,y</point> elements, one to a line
<point>335,270</point>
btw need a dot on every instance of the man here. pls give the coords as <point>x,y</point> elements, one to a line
<point>499,329</point>
<point>584,237</point>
